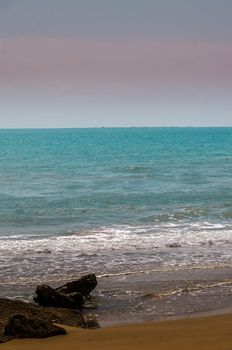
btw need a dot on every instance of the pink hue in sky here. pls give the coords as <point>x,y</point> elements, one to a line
<point>111,63</point>
<point>47,82</point>
<point>71,64</point>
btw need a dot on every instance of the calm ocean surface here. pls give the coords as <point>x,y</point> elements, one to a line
<point>113,201</point>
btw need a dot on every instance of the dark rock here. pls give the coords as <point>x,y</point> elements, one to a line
<point>173,245</point>
<point>8,308</point>
<point>47,296</point>
<point>62,305</point>
<point>45,251</point>
<point>22,326</point>
<point>83,285</point>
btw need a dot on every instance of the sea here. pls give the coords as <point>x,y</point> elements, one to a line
<point>116,202</point>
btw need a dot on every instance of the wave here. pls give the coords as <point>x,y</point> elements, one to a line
<point>122,238</point>
<point>115,251</point>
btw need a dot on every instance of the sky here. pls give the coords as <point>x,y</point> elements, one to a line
<point>93,63</point>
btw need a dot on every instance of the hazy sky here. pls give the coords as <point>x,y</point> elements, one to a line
<point>77,63</point>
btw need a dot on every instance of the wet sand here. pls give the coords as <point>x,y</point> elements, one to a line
<point>214,333</point>
<point>188,309</point>
<point>150,296</point>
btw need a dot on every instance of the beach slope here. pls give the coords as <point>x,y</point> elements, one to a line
<point>214,333</point>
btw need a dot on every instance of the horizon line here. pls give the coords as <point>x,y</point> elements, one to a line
<point>117,127</point>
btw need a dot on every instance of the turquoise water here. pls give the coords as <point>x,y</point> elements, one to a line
<point>113,200</point>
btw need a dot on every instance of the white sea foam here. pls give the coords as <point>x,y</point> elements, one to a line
<point>125,239</point>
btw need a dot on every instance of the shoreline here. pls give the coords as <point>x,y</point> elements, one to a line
<point>198,314</point>
<point>151,297</point>
<point>164,296</point>
<point>212,332</point>
<point>161,310</point>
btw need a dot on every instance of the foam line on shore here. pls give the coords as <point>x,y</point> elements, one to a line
<point>182,268</point>
<point>198,287</point>
<point>55,279</point>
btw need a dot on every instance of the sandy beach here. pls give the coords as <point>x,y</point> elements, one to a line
<point>214,332</point>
